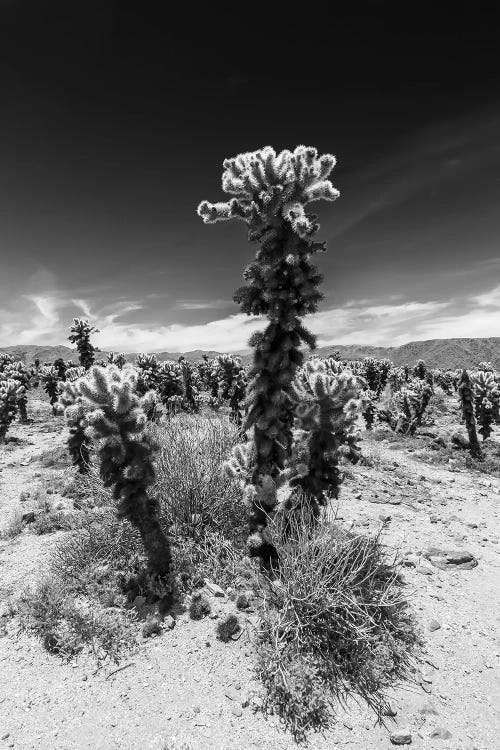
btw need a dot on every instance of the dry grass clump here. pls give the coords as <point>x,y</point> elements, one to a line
<point>101,566</point>
<point>84,601</point>
<point>335,621</point>
<point>194,491</point>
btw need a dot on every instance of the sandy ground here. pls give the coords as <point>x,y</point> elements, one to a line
<point>187,684</point>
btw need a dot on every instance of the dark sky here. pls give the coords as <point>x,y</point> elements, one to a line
<point>115,118</point>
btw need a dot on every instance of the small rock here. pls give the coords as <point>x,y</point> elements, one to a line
<point>441,733</point>
<point>411,561</point>
<point>236,710</point>
<point>232,694</point>
<point>425,570</point>
<point>168,622</point>
<point>213,588</point>
<point>401,737</point>
<point>434,625</point>
<point>429,709</point>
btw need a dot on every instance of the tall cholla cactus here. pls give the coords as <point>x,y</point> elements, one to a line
<point>466,396</point>
<point>50,383</point>
<point>116,422</point>
<point>486,401</point>
<point>327,406</point>
<point>10,393</point>
<point>81,330</point>
<point>420,369</point>
<point>270,193</point>
<point>371,373</point>
<point>232,384</point>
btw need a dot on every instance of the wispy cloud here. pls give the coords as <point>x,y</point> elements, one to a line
<point>385,322</point>
<point>215,304</point>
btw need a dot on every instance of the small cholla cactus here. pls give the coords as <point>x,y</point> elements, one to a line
<point>117,359</point>
<point>149,373</point>
<point>50,384</point>
<point>486,401</point>
<point>371,373</point>
<point>270,194</point>
<point>420,369</point>
<point>171,386</point>
<point>125,451</point>
<point>22,375</point>
<point>486,367</point>
<point>10,394</point>
<point>72,404</point>
<point>466,396</point>
<point>191,385</point>
<point>368,409</point>
<point>384,368</point>
<point>232,383</point>
<point>61,366</point>
<point>327,408</point>
<point>405,409</point>
<point>81,330</point>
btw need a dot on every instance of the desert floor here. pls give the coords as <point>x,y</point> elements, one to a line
<point>189,685</point>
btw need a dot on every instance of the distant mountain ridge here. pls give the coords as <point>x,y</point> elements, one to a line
<point>444,353</point>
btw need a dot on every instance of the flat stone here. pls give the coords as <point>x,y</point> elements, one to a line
<point>236,710</point>
<point>213,588</point>
<point>425,570</point>
<point>429,709</point>
<point>440,733</point>
<point>434,625</point>
<point>401,737</point>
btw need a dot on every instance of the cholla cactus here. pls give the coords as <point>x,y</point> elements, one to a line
<point>5,360</point>
<point>191,385</point>
<point>10,393</point>
<point>405,410</point>
<point>117,359</point>
<point>149,372</point>
<point>125,450</point>
<point>171,386</point>
<point>443,379</point>
<point>50,384</point>
<point>371,373</point>
<point>384,368</point>
<point>271,192</point>
<point>486,367</point>
<point>19,372</point>
<point>61,366</point>
<point>232,384</point>
<point>420,369</point>
<point>72,404</point>
<point>466,396</point>
<point>327,407</point>
<point>81,330</point>
<point>368,409</point>
<point>486,401</point>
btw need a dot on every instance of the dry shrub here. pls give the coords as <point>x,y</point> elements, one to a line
<point>335,621</point>
<point>191,485</point>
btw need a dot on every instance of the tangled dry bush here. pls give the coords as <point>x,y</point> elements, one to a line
<point>335,621</point>
<point>100,568</point>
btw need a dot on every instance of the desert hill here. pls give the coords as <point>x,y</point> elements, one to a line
<point>444,353</point>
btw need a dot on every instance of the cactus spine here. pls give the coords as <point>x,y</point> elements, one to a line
<point>270,192</point>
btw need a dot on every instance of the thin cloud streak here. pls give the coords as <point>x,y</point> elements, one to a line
<point>383,323</point>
